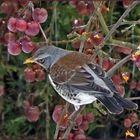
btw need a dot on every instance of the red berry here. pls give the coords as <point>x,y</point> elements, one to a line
<point>21,25</point>
<point>96,38</point>
<point>32,28</point>
<point>84,125</point>
<point>14,48</point>
<point>90,117</point>
<point>80,137</point>
<point>28,47</point>
<point>8,7</point>
<point>133,117</point>
<point>106,64</point>
<point>117,79</point>
<point>127,123</point>
<point>76,45</point>
<point>124,50</point>
<point>133,85</point>
<point>40,75</point>
<point>9,37</point>
<point>138,86</point>
<point>40,15</point>
<point>57,112</point>
<point>120,89</point>
<point>32,113</point>
<point>29,75</point>
<point>104,9</point>
<point>2,91</point>
<point>23,2</point>
<point>79,120</point>
<point>12,24</point>
<point>126,3</point>
<point>82,7</point>
<point>70,136</point>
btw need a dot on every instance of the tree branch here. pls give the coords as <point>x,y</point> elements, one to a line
<point>118,23</point>
<point>118,65</point>
<point>72,120</point>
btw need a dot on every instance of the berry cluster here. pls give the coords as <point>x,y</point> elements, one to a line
<point>132,118</point>
<point>84,7</point>
<point>29,25</point>
<point>36,73</point>
<point>32,113</point>
<point>119,80</point>
<point>93,39</point>
<point>81,123</point>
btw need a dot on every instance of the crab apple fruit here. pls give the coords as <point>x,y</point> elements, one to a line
<point>117,79</point>
<point>29,75</point>
<point>40,15</point>
<point>80,137</point>
<point>133,84</point>
<point>79,119</point>
<point>40,75</point>
<point>57,112</point>
<point>82,7</point>
<point>90,117</point>
<point>138,86</point>
<point>127,123</point>
<point>133,117</point>
<point>32,28</point>
<point>124,50</point>
<point>14,48</point>
<point>84,125</point>
<point>28,47</point>
<point>11,25</point>
<point>96,38</point>
<point>32,113</point>
<point>8,7</point>
<point>126,3</point>
<point>21,25</point>
<point>2,91</point>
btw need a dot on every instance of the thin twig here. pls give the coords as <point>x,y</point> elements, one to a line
<point>133,98</point>
<point>58,124</point>
<point>72,120</point>
<point>88,28</point>
<point>118,65</point>
<point>42,31</point>
<point>101,18</point>
<point>118,23</point>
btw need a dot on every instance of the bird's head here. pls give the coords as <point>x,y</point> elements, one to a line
<point>46,56</point>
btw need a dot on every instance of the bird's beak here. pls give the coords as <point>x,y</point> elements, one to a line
<point>29,61</point>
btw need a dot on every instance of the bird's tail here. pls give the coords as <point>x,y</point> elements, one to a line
<point>117,104</point>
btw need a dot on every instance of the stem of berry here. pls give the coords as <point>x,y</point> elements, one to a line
<point>42,31</point>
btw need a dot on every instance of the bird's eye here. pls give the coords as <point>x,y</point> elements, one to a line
<point>41,61</point>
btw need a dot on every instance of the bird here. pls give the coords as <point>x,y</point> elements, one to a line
<point>78,80</point>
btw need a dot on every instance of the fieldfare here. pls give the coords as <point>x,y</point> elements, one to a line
<point>78,80</point>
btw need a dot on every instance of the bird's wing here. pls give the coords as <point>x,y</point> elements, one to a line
<point>83,76</point>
